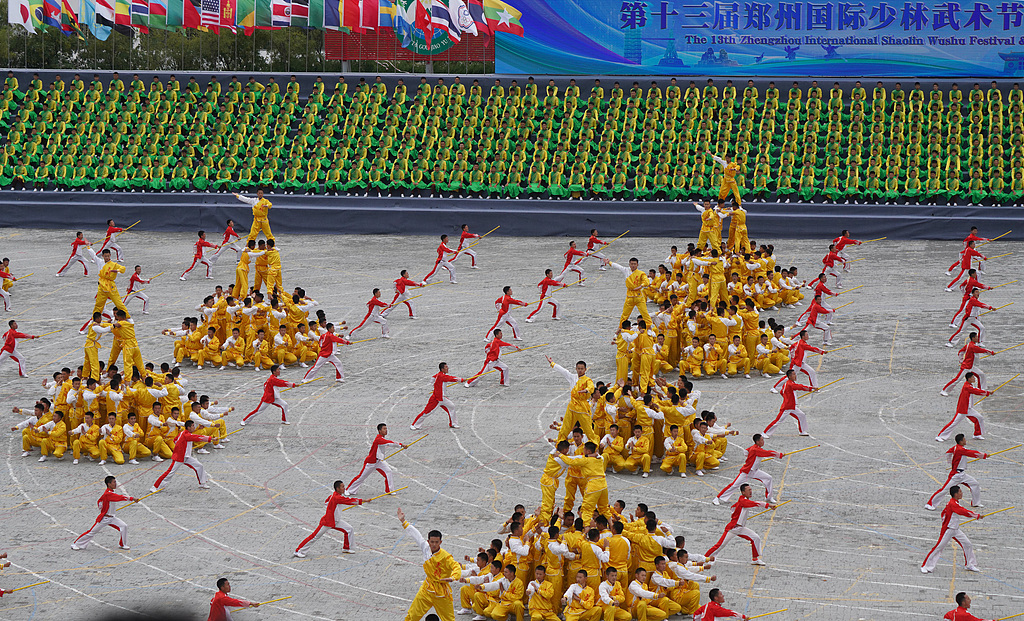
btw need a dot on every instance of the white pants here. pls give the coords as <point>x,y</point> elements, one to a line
<point>380,466</point>
<point>973,415</point>
<point>977,371</point>
<point>277,402</point>
<point>191,462</point>
<point>401,299</point>
<point>832,271</point>
<point>141,296</point>
<point>472,255</point>
<point>339,371</point>
<point>960,478</point>
<point>378,319</point>
<point>506,319</point>
<point>821,324</point>
<point>112,245</point>
<point>743,477</point>
<point>7,300</point>
<point>572,267</point>
<point>738,531</point>
<point>341,525</point>
<point>600,257</point>
<point>969,322</point>
<point>85,538</point>
<point>548,300</point>
<point>445,405</point>
<point>78,257</point>
<point>944,539</point>
<point>502,370</point>
<point>16,356</point>
<point>446,265</point>
<point>808,371</point>
<point>216,254</point>
<point>801,421</point>
<point>202,260</point>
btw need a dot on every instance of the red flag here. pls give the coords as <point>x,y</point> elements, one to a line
<point>351,18</point>
<point>423,21</point>
<point>369,11</point>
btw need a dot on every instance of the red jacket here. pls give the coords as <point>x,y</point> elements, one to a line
<point>327,342</point>
<point>964,402</point>
<point>569,254</point>
<point>494,348</point>
<point>711,611</point>
<point>333,501</point>
<point>219,604</point>
<point>183,444</point>
<point>200,244</point>
<point>274,382</point>
<point>439,381</point>
<point>376,452</point>
<point>754,453</point>
<point>960,614</point>
<point>10,339</point>
<point>788,394</point>
<point>104,502</point>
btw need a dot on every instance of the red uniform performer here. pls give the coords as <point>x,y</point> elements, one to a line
<point>544,285</point>
<point>183,455</point>
<point>952,515</point>
<point>493,349</point>
<point>327,342</point>
<point>374,461</point>
<point>271,397</point>
<point>106,518</point>
<point>789,406</point>
<point>201,243</point>
<point>438,398</point>
<point>502,305</point>
<point>964,410</point>
<point>331,519</point>
<point>10,347</point>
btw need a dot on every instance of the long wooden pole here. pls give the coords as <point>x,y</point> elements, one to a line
<point>995,238</point>
<point>525,348</point>
<point>136,222</point>
<point>837,349</point>
<point>608,244</point>
<point>875,239</point>
<point>1010,617</point>
<point>820,387</point>
<point>394,491</point>
<point>849,290</point>
<point>406,300</point>
<point>996,453</point>
<point>995,309</point>
<point>767,510</point>
<point>27,586</point>
<point>986,515</point>
<point>806,448</point>
<point>996,287</point>
<point>49,333</point>
<point>999,256</point>
<point>997,388</point>
<point>304,383</point>
<point>16,278</point>
<point>406,446</point>
<point>477,241</point>
<point>1002,350</point>
<point>264,603</point>
<point>139,499</point>
<point>372,338</point>
<point>765,614</point>
<point>844,305</point>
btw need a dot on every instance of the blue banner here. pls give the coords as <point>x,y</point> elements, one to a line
<point>935,38</point>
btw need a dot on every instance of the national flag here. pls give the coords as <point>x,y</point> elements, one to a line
<point>502,17</point>
<point>184,13</point>
<point>158,15</point>
<point>51,14</point>
<point>140,13</point>
<point>123,18</point>
<point>227,14</point>
<point>69,17</point>
<point>476,9</point>
<point>386,18</point>
<point>333,15</point>
<point>245,14</point>
<point>91,20</point>
<point>316,14</point>
<point>300,13</point>
<point>463,19</point>
<point>20,12</point>
<point>350,17</point>
<point>209,15</point>
<point>369,14</point>
<point>264,14</point>
<point>422,21</point>
<point>282,13</point>
<point>403,24</point>
<point>442,19</point>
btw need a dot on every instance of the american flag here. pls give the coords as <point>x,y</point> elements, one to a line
<point>210,14</point>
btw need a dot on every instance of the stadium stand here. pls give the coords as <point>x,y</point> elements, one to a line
<point>607,139</point>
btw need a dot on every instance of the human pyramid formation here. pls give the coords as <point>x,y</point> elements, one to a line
<point>588,561</point>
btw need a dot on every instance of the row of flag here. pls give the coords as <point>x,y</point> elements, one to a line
<point>100,17</point>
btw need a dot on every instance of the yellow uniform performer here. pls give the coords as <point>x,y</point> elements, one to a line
<point>623,353</point>
<point>259,354</point>
<point>282,349</point>
<point>56,441</point>
<point>618,548</point>
<point>260,265</point>
<point>91,368</point>
<point>663,584</point>
<point>156,438</point>
<point>33,434</point>
<point>553,563</point>
<point>729,180</point>
<point>260,220</point>
<point>750,317</point>
<point>738,359</point>
<point>578,410</point>
<point>468,593</point>
<point>582,606</point>
<point>134,441</point>
<point>234,351</point>
<point>611,599</point>
<point>595,494</point>
<point>436,591</point>
<point>687,594</point>
<point>573,479</point>
<point>553,471</point>
<point>636,282</point>
<point>612,452</point>
<point>242,272</point>
<point>694,360</point>
<point>125,333</point>
<point>88,442</point>
<point>210,351</point>
<point>675,454</point>
<point>710,229</point>
<point>703,451</point>
<point>111,443</point>
<point>510,601</point>
<point>714,359</point>
<point>541,594</point>
<point>738,241</point>
<point>107,289</point>
<point>645,345</point>
<point>274,270</point>
<point>716,286</point>
<point>639,453</point>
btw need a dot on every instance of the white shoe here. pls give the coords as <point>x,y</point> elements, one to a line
<point>948,344</point>
<point>299,554</point>
<point>949,273</point>
<point>43,458</point>
<point>715,501</point>
<point>199,367</point>
<point>925,571</point>
<point>222,367</point>
<point>125,547</point>
<point>74,463</point>
<point>479,618</point>
<point>758,562</point>
<point>74,547</point>
<point>454,426</point>
<point>414,427</point>
<point>474,267</point>
<point>724,376</point>
<point>26,453</point>
<point>979,437</point>
<point>516,338</point>
<point>133,462</point>
<point>949,288</point>
<point>182,278</point>
<point>943,393</point>
<point>157,458</point>
<point>387,336</point>
<point>556,319</point>
<point>972,569</point>
<point>454,282</point>
<point>952,325</point>
<point>284,422</point>
<point>978,506</point>
<point>202,451</point>
<point>643,476</point>
<point>413,317</point>
<point>529,320</point>
<point>700,473</point>
<point>103,462</point>
<point>805,434</point>
<point>204,486</point>
<point>301,364</point>
<point>218,446</point>
<point>682,475</point>
<point>464,611</point>
<point>929,507</point>
<point>242,423</point>
<point>153,490</point>
<point>746,375</point>
<point>723,459</point>
<point>938,439</point>
<point>773,389</point>
<point>347,551</point>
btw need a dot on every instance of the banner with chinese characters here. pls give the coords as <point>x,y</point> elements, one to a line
<point>935,38</point>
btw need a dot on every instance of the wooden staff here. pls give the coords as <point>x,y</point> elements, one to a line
<point>472,378</point>
<point>548,295</point>
<point>156,276</point>
<point>765,614</point>
<point>372,338</point>
<point>406,446</point>
<point>996,453</point>
<point>235,431</point>
<point>995,309</point>
<point>404,301</point>
<point>767,510</point>
<point>843,306</point>
<point>997,388</point>
<point>264,603</point>
<point>820,387</point>
<point>837,349</point>
<point>1002,350</point>
<point>998,256</point>
<point>986,515</point>
<point>849,290</point>
<point>17,278</point>
<point>807,448</point>
<point>992,240</point>
<point>875,239</point>
<point>136,500</point>
<point>394,491</point>
<point>304,383</point>
<point>27,586</point>
<point>1010,617</point>
<point>996,287</point>
<point>524,349</point>
<point>855,260</point>
<point>56,331</point>
<point>476,242</point>
<point>136,222</point>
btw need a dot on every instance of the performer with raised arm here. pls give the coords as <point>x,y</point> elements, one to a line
<point>466,236</point>
<point>106,517</point>
<point>503,305</point>
<point>440,569</point>
<point>577,412</point>
<point>260,214</point>
<point>332,519</point>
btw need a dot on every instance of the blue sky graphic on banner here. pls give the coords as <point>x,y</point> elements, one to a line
<point>938,38</point>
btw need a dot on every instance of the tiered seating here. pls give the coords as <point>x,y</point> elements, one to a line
<point>525,141</point>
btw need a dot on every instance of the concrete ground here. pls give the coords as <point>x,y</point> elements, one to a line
<point>849,546</point>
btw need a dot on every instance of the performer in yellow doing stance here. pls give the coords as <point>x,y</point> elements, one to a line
<point>578,410</point>
<point>242,269</point>
<point>107,289</point>
<point>729,170</point>
<point>636,282</point>
<point>710,227</point>
<point>97,328</point>
<point>260,211</point>
<point>441,570</point>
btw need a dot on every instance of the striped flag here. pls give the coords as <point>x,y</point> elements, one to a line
<point>140,13</point>
<point>227,14</point>
<point>476,9</point>
<point>282,13</point>
<point>442,20</point>
<point>209,14</point>
<point>369,12</point>
<point>300,13</point>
